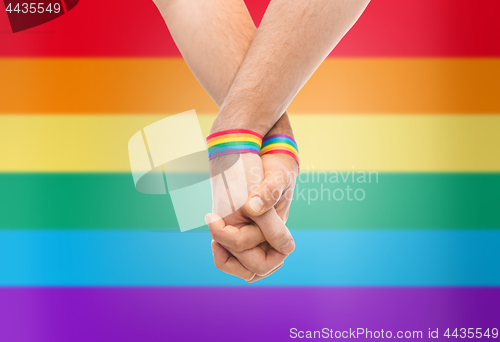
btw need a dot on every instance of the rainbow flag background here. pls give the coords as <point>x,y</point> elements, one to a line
<point>411,93</point>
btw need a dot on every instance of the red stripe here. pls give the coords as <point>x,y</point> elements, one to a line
<point>389,28</point>
<point>231,131</point>
<point>283,152</point>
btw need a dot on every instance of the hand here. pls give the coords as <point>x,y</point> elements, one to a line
<point>239,248</point>
<point>280,172</point>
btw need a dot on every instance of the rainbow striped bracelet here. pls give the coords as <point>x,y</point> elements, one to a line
<point>233,141</point>
<point>280,143</point>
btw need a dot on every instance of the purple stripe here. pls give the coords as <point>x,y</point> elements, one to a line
<point>275,139</point>
<point>278,135</point>
<point>234,314</point>
<point>221,153</point>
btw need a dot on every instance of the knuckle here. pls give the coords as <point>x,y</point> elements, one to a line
<point>278,235</point>
<point>272,193</point>
<point>239,244</point>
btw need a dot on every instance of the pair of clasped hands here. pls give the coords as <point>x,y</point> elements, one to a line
<point>253,75</point>
<point>253,241</point>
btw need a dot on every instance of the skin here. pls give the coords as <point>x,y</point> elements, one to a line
<point>292,41</point>
<point>213,37</point>
<point>241,68</point>
<point>244,237</point>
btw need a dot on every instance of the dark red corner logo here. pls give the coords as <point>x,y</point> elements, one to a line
<point>25,15</point>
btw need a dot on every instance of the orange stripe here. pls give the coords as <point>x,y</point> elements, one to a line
<point>225,140</point>
<point>278,147</point>
<point>232,136</point>
<point>131,86</point>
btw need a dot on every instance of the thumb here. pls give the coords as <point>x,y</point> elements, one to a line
<point>214,221</point>
<point>275,232</point>
<point>266,195</point>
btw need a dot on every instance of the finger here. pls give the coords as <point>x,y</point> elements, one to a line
<point>257,277</point>
<point>285,218</point>
<point>258,261</point>
<point>238,239</point>
<point>275,232</point>
<point>229,264</point>
<point>268,193</point>
<point>283,205</point>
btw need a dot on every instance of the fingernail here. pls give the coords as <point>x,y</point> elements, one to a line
<point>207,218</point>
<point>287,248</point>
<point>256,204</point>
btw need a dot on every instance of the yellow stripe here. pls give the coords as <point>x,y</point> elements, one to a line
<point>279,146</point>
<point>403,143</point>
<point>166,85</point>
<point>39,143</point>
<point>213,142</point>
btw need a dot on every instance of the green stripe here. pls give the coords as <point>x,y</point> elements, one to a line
<point>109,200</point>
<point>232,143</point>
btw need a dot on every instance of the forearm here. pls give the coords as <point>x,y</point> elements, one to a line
<point>291,42</point>
<point>213,36</point>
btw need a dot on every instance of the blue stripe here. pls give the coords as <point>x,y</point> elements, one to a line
<point>322,258</point>
<point>235,147</point>
<point>279,139</point>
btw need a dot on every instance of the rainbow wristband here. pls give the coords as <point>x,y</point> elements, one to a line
<point>280,143</point>
<point>233,141</point>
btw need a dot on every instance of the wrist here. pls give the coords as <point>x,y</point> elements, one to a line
<point>280,139</point>
<point>244,121</point>
<point>233,141</point>
<point>240,114</point>
<point>283,126</point>
<point>280,144</point>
